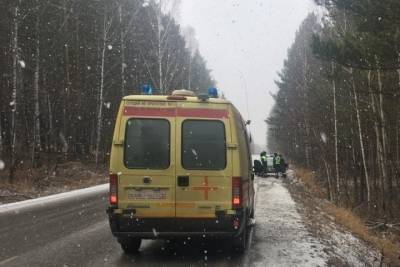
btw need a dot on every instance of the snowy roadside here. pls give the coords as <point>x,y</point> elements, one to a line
<point>45,181</point>
<point>74,195</point>
<point>281,237</point>
<point>342,247</point>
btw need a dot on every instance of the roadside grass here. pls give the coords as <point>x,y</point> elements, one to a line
<point>309,179</point>
<point>31,183</point>
<point>355,224</point>
<point>22,187</point>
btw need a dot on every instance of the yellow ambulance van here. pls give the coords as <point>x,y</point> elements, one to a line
<point>180,167</point>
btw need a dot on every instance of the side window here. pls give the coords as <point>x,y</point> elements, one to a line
<point>203,145</point>
<point>147,144</point>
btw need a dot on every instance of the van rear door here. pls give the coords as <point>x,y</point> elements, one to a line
<point>147,184</point>
<point>204,165</point>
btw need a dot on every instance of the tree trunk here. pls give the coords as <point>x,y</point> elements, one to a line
<point>36,115</point>
<point>101,90</point>
<point>51,130</point>
<point>380,156</point>
<point>361,139</point>
<point>122,41</point>
<point>14,95</point>
<point>398,120</point>
<point>307,144</point>
<point>330,195</point>
<point>336,132</point>
<point>160,52</point>
<point>386,159</point>
<point>381,112</point>
<point>398,139</point>
<point>306,110</point>
<point>67,89</point>
<point>190,71</point>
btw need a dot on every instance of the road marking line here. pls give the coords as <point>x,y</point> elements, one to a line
<point>8,260</point>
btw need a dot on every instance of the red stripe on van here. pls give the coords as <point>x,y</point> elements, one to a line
<point>149,112</point>
<point>179,112</point>
<point>202,113</point>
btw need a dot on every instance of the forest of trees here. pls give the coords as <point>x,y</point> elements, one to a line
<point>65,65</point>
<point>337,110</point>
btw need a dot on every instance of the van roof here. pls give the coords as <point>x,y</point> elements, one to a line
<point>192,99</point>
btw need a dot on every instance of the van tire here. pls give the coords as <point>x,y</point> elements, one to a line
<point>130,245</point>
<point>240,242</point>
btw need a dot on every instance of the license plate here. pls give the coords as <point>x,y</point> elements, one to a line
<point>147,194</point>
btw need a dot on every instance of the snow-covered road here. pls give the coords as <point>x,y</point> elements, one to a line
<point>65,233</point>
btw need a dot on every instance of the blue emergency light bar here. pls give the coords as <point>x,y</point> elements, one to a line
<point>213,92</point>
<point>146,89</point>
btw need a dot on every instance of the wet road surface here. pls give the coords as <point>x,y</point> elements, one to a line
<point>76,233</point>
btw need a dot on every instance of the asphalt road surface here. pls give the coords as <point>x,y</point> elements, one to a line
<point>74,231</point>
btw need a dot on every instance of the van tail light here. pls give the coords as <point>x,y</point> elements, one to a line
<point>113,189</point>
<point>236,192</point>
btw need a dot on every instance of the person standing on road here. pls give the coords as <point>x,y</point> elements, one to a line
<point>282,167</point>
<point>263,157</point>
<point>277,164</point>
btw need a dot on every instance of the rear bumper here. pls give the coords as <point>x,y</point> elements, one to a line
<point>171,235</point>
<point>124,225</point>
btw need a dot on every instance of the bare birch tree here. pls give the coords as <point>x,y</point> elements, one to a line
<point>122,44</point>
<point>15,93</point>
<point>192,45</point>
<point>336,132</point>
<point>36,114</point>
<point>107,22</point>
<point>56,103</point>
<point>360,133</point>
<point>162,30</point>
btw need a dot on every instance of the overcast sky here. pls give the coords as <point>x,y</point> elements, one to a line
<point>245,43</point>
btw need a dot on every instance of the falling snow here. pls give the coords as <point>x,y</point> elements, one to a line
<point>324,138</point>
<point>22,63</point>
<point>2,165</point>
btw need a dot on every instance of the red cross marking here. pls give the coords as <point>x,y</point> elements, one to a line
<point>206,188</point>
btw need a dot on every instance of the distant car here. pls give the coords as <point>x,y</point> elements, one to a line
<point>264,171</point>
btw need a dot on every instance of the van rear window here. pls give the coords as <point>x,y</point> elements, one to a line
<point>147,144</point>
<point>203,145</point>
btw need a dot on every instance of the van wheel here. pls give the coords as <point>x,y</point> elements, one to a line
<point>240,242</point>
<point>130,245</point>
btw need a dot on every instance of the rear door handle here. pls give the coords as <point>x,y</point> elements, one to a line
<point>183,181</point>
